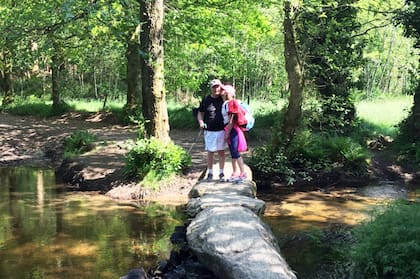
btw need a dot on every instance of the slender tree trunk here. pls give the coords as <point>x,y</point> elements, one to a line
<point>56,65</point>
<point>54,79</point>
<point>81,83</point>
<point>385,67</point>
<point>294,74</point>
<point>133,74</point>
<point>416,114</point>
<point>95,84</point>
<point>155,111</point>
<point>6,80</point>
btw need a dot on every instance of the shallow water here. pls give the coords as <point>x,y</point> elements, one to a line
<point>299,214</point>
<point>46,232</point>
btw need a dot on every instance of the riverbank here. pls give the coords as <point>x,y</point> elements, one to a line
<point>32,141</point>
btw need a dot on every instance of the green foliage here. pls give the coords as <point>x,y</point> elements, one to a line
<point>269,161</point>
<point>408,17</point>
<point>388,246</point>
<point>309,154</point>
<point>409,153</point>
<point>33,105</point>
<point>330,54</point>
<point>333,115</point>
<point>318,152</point>
<point>78,143</point>
<point>234,41</point>
<point>92,105</point>
<point>152,160</point>
<point>408,139</point>
<point>389,56</point>
<point>181,117</point>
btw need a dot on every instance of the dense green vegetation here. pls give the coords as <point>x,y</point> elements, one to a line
<point>151,160</point>
<point>387,246</point>
<point>349,51</point>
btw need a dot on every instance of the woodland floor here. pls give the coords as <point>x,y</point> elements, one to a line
<point>31,141</point>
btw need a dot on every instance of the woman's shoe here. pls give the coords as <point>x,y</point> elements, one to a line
<point>233,178</point>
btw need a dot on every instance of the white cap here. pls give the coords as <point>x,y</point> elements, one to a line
<point>230,90</point>
<point>215,82</point>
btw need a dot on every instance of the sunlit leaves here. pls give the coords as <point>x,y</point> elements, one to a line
<point>231,40</point>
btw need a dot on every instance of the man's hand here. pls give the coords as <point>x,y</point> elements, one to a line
<point>202,124</point>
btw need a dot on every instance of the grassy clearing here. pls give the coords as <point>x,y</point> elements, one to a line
<point>385,113</point>
<point>95,105</point>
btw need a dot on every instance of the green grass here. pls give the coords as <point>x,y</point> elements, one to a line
<point>95,105</point>
<point>384,114</point>
<point>379,115</point>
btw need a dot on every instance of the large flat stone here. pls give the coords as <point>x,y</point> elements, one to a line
<point>234,243</point>
<point>246,188</point>
<point>196,205</point>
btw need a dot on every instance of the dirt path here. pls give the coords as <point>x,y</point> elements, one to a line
<point>38,142</point>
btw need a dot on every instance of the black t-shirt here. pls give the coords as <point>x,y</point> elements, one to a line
<point>212,109</point>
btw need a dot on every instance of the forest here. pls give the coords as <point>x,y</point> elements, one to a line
<point>319,57</point>
<point>306,67</point>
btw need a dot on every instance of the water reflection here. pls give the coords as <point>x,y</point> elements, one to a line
<point>48,233</point>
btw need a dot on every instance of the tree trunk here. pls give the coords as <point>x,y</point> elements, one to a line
<point>155,112</point>
<point>6,80</point>
<point>133,75</point>
<point>55,75</point>
<point>54,79</point>
<point>294,74</point>
<point>416,114</point>
<point>6,87</point>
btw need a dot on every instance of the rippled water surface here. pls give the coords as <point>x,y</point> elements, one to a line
<point>46,232</point>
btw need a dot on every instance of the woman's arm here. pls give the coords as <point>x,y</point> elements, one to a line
<point>229,125</point>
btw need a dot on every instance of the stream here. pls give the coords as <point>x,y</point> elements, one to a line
<point>47,232</point>
<point>300,219</point>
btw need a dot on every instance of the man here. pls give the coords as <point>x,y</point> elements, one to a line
<point>210,119</point>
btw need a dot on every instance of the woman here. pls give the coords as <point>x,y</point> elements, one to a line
<point>234,136</point>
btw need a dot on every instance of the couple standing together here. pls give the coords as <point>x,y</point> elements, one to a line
<point>217,115</point>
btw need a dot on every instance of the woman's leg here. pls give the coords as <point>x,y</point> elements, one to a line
<point>233,148</point>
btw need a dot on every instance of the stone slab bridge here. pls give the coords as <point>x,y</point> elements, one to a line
<point>227,235</point>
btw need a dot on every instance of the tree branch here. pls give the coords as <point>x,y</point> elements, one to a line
<point>371,28</point>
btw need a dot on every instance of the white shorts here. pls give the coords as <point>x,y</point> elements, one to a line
<point>214,140</point>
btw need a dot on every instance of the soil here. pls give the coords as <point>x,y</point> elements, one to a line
<point>31,141</point>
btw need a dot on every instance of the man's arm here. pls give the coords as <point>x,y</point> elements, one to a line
<point>200,120</point>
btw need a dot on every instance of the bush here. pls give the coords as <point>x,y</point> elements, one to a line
<point>152,160</point>
<point>389,245</point>
<point>78,143</point>
<point>268,161</point>
<point>308,154</point>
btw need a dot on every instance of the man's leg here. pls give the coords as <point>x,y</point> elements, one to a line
<point>221,155</point>
<point>210,161</point>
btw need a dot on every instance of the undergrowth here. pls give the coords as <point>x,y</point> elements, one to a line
<point>151,160</point>
<point>388,246</point>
